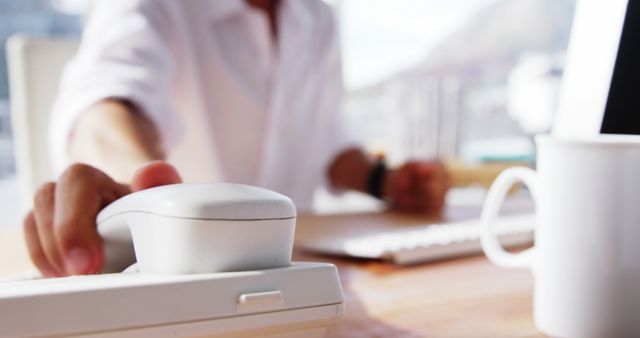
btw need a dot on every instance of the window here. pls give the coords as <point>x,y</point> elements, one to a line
<point>460,80</point>
<point>429,78</point>
<point>34,17</point>
<point>424,78</point>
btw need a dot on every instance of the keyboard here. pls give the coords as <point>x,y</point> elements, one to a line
<point>425,243</point>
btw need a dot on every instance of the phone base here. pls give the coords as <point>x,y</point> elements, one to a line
<point>301,300</point>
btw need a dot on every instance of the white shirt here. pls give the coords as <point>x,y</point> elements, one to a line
<point>231,104</point>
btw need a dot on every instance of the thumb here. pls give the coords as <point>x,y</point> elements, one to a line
<point>154,174</point>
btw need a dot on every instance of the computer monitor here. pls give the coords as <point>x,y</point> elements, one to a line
<point>622,112</point>
<point>601,85</point>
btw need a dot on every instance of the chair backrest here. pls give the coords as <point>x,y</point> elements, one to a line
<point>35,66</point>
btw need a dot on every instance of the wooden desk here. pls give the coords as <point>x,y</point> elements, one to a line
<point>459,298</point>
<point>468,297</point>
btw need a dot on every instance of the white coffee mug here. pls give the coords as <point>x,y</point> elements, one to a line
<point>586,258</point>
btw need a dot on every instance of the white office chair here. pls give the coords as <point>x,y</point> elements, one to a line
<point>35,66</point>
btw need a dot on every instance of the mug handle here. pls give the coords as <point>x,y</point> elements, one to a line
<point>495,197</point>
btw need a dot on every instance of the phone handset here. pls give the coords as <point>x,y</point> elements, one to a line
<point>198,228</point>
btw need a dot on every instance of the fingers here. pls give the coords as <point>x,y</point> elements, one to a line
<point>408,203</point>
<point>43,217</point>
<point>426,190</point>
<point>80,194</point>
<point>435,198</point>
<point>36,253</point>
<point>433,190</point>
<point>154,174</point>
<point>61,233</point>
<point>403,191</point>
<point>433,185</point>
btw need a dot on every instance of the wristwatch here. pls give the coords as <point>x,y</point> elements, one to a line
<point>376,178</point>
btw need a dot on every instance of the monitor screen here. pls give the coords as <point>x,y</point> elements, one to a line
<point>622,111</point>
<point>600,81</point>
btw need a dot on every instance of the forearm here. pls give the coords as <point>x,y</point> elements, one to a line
<point>114,137</point>
<point>350,170</point>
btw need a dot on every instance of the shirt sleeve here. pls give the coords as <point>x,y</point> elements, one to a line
<point>337,137</point>
<point>124,54</point>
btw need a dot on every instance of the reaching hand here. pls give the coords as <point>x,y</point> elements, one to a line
<point>61,232</point>
<point>417,187</point>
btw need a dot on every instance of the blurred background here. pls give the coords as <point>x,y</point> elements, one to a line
<point>469,81</point>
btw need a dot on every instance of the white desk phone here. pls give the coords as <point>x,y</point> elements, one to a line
<point>213,260</point>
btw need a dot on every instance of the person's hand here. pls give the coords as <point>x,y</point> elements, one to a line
<point>61,233</point>
<point>417,187</point>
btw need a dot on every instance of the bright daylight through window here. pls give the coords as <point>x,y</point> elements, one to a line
<point>424,78</point>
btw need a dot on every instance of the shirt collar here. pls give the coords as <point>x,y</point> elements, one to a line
<point>222,9</point>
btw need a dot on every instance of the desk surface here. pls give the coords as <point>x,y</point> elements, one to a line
<point>466,297</point>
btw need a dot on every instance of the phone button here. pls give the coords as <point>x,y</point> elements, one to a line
<point>261,298</point>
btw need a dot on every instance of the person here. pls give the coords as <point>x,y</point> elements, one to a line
<point>245,91</point>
